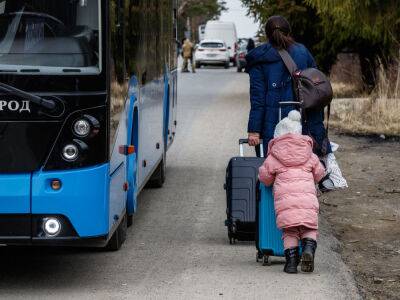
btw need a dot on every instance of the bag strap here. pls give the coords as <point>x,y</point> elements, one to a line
<point>291,66</point>
<point>288,61</point>
<point>324,146</point>
<point>327,119</point>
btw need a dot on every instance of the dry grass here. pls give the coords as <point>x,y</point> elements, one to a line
<point>367,116</point>
<point>118,94</point>
<point>378,113</point>
<point>345,90</point>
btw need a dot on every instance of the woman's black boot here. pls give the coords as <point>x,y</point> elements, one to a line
<point>292,260</point>
<point>307,258</point>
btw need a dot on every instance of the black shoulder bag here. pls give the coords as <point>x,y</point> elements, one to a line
<point>312,89</point>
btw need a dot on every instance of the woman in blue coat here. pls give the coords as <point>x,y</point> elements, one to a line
<point>271,83</point>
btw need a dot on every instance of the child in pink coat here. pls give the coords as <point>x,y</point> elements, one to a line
<point>293,169</point>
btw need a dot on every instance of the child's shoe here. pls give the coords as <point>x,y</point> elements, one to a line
<point>307,258</point>
<point>292,260</point>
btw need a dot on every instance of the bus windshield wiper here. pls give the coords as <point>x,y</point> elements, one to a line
<point>50,104</point>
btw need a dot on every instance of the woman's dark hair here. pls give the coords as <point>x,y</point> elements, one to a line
<point>250,45</point>
<point>278,32</point>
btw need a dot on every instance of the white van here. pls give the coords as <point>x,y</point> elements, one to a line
<point>202,31</point>
<point>225,31</point>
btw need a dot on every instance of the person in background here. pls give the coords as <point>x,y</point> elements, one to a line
<point>294,169</point>
<point>179,47</point>
<point>250,45</point>
<point>188,54</point>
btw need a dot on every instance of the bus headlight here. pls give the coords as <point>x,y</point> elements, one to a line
<point>82,128</point>
<point>70,152</point>
<point>73,150</point>
<point>51,226</point>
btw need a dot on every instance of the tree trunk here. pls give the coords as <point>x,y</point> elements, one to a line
<point>368,64</point>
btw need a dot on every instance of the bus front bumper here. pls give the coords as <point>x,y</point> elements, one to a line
<point>18,230</point>
<point>79,209</point>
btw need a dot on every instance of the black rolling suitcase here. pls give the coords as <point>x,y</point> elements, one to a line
<point>242,190</point>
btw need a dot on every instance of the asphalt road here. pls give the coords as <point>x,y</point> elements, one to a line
<point>178,247</point>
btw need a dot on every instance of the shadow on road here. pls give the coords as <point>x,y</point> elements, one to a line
<point>61,267</point>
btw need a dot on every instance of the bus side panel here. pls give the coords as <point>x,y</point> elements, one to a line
<point>151,130</point>
<point>117,196</point>
<point>172,106</point>
<point>167,109</point>
<point>15,194</point>
<point>118,174</point>
<point>83,198</point>
<point>132,138</point>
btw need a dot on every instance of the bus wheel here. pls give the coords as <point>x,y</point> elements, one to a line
<point>158,178</point>
<point>129,220</point>
<point>119,236</point>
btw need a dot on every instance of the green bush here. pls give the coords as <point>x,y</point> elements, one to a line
<point>370,28</point>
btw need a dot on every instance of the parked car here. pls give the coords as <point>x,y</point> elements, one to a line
<point>242,41</point>
<point>226,32</point>
<point>241,57</point>
<point>212,52</point>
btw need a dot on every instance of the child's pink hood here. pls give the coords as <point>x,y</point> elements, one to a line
<point>291,149</point>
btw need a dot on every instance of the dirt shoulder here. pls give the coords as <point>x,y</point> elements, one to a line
<point>366,217</point>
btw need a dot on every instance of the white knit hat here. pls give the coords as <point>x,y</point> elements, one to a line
<point>290,124</point>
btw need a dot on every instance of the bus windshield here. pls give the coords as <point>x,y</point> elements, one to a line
<point>50,36</point>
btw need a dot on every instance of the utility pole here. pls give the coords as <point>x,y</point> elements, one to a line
<point>188,33</point>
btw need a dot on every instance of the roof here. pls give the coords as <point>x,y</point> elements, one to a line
<point>220,23</point>
<point>212,41</point>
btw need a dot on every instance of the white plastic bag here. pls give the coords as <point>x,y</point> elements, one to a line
<point>334,172</point>
<point>335,178</point>
<point>334,146</point>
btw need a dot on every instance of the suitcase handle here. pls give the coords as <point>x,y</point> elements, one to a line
<point>287,103</point>
<point>246,141</point>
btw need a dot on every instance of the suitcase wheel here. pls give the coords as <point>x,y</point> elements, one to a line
<point>266,261</point>
<point>231,238</point>
<point>259,256</point>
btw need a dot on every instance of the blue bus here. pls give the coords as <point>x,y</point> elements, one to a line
<point>88,96</point>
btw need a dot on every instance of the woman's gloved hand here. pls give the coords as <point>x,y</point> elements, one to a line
<point>254,138</point>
